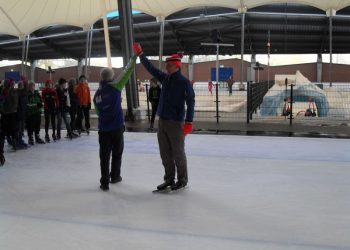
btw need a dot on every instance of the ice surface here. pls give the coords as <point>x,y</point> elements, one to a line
<point>244,193</point>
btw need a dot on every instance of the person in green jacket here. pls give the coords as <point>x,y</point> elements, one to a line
<point>34,110</point>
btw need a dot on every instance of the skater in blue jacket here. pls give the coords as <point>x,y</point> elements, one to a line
<point>108,107</point>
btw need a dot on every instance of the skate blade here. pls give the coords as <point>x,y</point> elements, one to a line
<point>169,190</point>
<point>164,191</point>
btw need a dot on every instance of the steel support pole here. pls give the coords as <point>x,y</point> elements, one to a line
<point>242,46</point>
<point>23,54</point>
<point>126,29</point>
<point>107,42</point>
<point>86,52</point>
<point>161,42</point>
<point>26,56</point>
<point>90,45</point>
<point>268,62</point>
<point>330,49</point>
<point>217,83</point>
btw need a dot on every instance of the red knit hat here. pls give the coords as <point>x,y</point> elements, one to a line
<point>175,59</point>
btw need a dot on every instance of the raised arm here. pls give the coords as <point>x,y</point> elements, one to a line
<point>123,78</point>
<point>158,74</point>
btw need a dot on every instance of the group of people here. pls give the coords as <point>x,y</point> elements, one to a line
<point>21,109</point>
<point>175,122</point>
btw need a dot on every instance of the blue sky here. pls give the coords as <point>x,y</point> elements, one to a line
<point>116,13</point>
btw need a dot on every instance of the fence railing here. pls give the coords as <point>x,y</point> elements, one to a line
<point>255,96</point>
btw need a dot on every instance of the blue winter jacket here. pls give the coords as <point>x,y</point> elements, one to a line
<point>108,102</point>
<point>176,90</point>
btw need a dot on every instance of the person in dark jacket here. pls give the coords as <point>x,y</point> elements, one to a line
<point>107,101</point>
<point>33,119</point>
<point>2,131</point>
<point>154,95</point>
<point>22,111</point>
<point>9,113</point>
<point>74,103</point>
<point>63,108</point>
<point>49,96</point>
<point>176,91</point>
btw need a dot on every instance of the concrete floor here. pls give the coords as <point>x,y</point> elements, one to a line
<point>244,193</point>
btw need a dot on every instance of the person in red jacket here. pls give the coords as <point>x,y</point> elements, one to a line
<point>49,96</point>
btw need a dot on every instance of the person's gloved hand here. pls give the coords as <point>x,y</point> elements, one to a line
<point>138,49</point>
<point>188,128</point>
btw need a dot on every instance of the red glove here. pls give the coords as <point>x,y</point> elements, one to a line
<point>188,128</point>
<point>138,49</point>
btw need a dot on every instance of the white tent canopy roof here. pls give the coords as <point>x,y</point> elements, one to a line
<point>21,17</point>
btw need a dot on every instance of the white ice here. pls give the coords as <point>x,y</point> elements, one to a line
<point>244,193</point>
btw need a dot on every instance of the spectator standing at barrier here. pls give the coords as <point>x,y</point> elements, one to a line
<point>230,83</point>
<point>49,96</point>
<point>74,103</point>
<point>9,107</point>
<point>21,111</point>
<point>210,87</point>
<point>176,90</point>
<point>63,108</point>
<point>154,95</point>
<point>107,101</point>
<point>33,119</point>
<point>83,93</point>
<point>2,131</point>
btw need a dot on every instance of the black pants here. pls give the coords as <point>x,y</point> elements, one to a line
<point>154,111</point>
<point>73,116</point>
<point>83,111</point>
<point>171,140</point>
<point>2,137</point>
<point>111,142</point>
<point>33,123</point>
<point>63,115</point>
<point>50,115</point>
<point>9,127</point>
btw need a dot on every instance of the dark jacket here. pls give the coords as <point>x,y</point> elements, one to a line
<point>8,101</point>
<point>63,101</point>
<point>22,103</point>
<point>176,90</point>
<point>154,94</point>
<point>74,101</point>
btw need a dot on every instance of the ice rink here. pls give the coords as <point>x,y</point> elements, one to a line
<point>244,192</point>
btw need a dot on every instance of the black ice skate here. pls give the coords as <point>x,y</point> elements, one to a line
<point>164,187</point>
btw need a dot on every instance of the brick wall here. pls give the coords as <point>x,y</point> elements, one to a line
<point>201,71</point>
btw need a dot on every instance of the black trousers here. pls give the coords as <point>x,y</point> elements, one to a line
<point>154,111</point>
<point>83,111</point>
<point>111,142</point>
<point>2,137</point>
<point>9,127</point>
<point>73,116</point>
<point>33,123</point>
<point>50,115</point>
